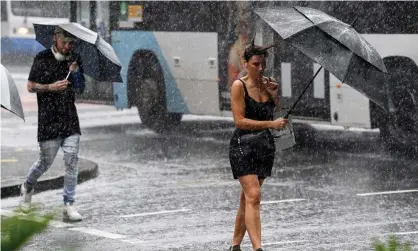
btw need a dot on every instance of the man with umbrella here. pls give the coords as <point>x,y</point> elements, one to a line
<point>56,75</point>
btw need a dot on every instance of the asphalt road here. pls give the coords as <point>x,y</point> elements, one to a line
<point>176,192</point>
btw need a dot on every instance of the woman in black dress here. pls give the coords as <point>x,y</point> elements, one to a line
<point>253,100</point>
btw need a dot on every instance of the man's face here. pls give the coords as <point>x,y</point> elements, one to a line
<point>63,45</point>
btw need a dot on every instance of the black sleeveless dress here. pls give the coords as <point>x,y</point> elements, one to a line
<point>258,161</point>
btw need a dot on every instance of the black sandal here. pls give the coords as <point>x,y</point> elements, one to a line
<point>235,248</point>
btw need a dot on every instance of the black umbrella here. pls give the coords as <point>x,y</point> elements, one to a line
<point>335,45</point>
<point>99,59</point>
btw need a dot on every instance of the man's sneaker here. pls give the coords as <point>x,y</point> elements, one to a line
<point>235,248</point>
<point>259,249</point>
<point>25,198</point>
<point>70,213</point>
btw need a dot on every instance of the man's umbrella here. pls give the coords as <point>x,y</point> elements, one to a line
<point>333,44</point>
<point>98,57</point>
<point>10,99</point>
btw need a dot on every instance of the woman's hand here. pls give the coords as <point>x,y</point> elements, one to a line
<point>271,86</point>
<point>279,123</point>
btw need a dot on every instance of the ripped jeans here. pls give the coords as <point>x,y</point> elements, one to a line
<point>48,152</point>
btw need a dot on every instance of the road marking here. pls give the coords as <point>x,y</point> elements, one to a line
<point>69,226</point>
<point>8,160</point>
<point>133,241</point>
<point>388,192</point>
<point>403,233</point>
<point>97,232</point>
<point>281,201</point>
<point>277,243</point>
<point>155,213</point>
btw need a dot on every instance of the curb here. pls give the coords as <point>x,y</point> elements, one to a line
<point>89,171</point>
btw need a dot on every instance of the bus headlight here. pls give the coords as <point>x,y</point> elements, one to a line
<point>22,31</point>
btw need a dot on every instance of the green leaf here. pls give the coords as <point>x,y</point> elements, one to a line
<point>20,228</point>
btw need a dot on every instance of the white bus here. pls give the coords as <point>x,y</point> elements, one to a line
<point>180,57</point>
<point>17,18</point>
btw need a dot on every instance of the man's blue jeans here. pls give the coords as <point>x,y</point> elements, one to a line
<point>48,152</point>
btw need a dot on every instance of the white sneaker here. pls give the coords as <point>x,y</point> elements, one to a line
<point>25,198</point>
<point>70,213</point>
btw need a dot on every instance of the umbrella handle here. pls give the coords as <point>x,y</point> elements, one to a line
<point>300,96</point>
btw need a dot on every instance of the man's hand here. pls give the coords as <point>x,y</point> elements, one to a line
<point>58,86</point>
<point>74,66</point>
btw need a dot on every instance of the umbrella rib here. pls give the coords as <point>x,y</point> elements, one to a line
<point>15,113</point>
<point>304,15</point>
<point>352,54</point>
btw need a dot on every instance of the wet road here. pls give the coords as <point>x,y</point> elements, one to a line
<point>176,192</point>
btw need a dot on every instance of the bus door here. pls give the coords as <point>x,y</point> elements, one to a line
<point>192,58</point>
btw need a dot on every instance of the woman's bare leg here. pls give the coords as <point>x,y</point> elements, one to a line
<point>251,188</point>
<point>240,229</point>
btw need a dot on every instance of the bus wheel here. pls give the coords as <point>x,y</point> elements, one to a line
<point>152,108</point>
<point>399,129</point>
<point>146,80</point>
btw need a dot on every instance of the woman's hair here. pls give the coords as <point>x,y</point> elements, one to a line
<point>252,50</point>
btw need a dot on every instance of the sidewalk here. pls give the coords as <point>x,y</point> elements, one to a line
<point>15,164</point>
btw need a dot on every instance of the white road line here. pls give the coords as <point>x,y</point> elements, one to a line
<point>133,241</point>
<point>98,233</point>
<point>403,233</point>
<point>68,226</point>
<point>277,243</point>
<point>155,213</point>
<point>281,201</point>
<point>388,192</point>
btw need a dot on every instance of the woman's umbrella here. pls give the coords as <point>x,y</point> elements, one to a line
<point>98,57</point>
<point>335,45</point>
<point>10,99</point>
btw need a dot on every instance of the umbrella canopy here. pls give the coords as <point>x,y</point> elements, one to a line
<point>333,44</point>
<point>99,59</point>
<point>10,99</point>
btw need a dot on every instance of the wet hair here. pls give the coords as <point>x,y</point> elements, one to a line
<point>252,50</point>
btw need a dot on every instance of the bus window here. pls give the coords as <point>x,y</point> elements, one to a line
<point>3,11</point>
<point>59,9</point>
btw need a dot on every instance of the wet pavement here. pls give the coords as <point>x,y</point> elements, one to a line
<point>176,192</point>
<point>15,163</point>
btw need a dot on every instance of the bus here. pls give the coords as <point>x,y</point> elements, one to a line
<point>180,57</point>
<point>17,32</point>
